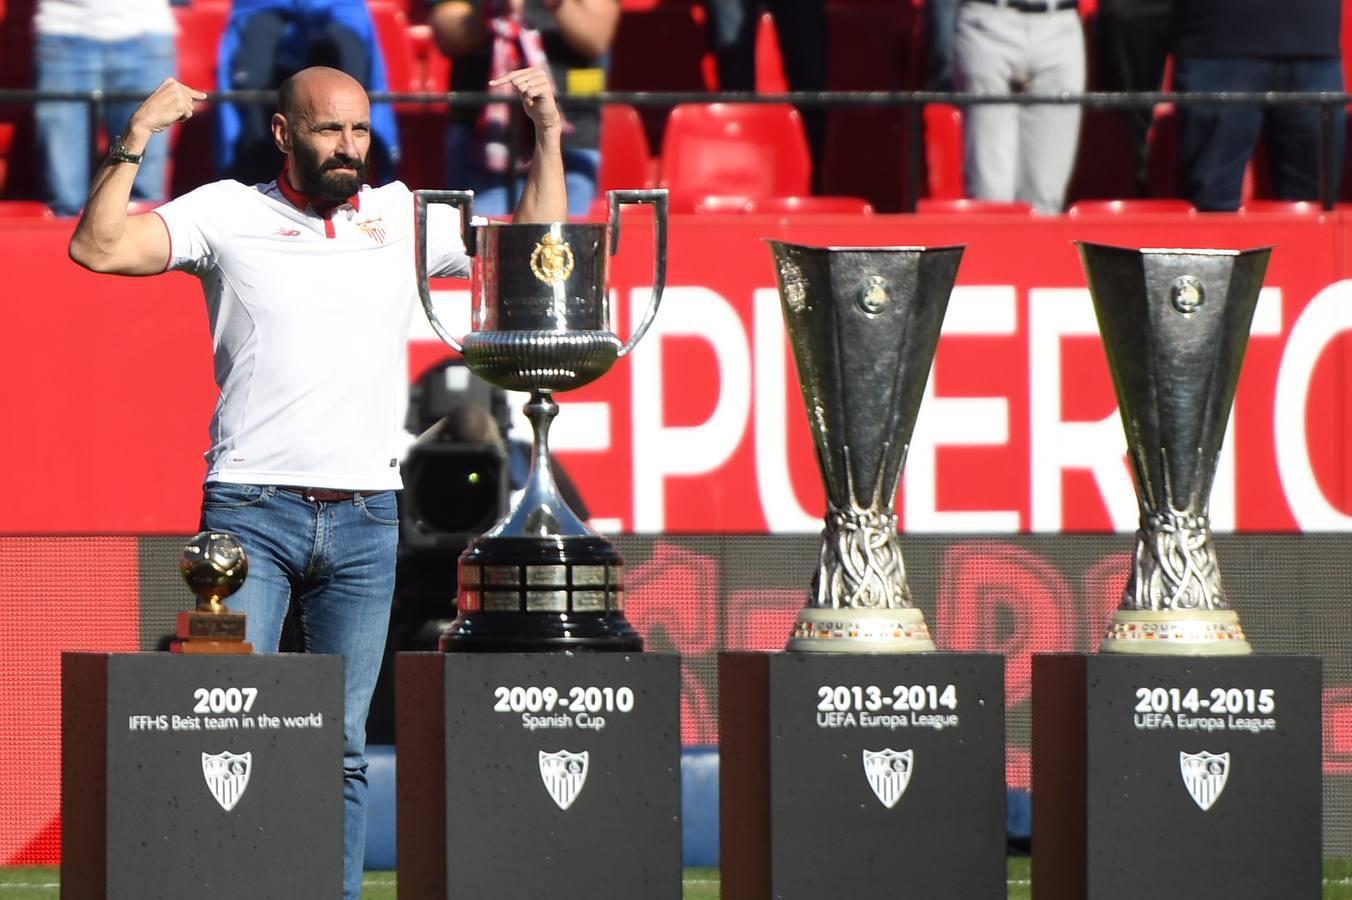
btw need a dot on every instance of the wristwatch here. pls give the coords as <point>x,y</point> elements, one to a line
<point>119,153</point>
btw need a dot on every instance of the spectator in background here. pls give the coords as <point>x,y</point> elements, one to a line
<point>1019,152</point>
<point>1133,44</point>
<point>570,39</point>
<point>940,21</point>
<point>1255,45</point>
<point>801,28</point>
<point>87,45</point>
<point>267,41</point>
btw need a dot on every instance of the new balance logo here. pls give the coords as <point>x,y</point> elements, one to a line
<point>287,232</point>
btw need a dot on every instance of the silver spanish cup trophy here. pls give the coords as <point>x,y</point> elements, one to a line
<point>1174,324</point>
<point>541,579</point>
<point>864,324</point>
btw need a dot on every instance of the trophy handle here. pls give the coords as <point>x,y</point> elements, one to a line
<point>462,201</point>
<point>658,199</point>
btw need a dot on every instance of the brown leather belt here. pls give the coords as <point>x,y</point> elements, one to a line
<point>326,495</point>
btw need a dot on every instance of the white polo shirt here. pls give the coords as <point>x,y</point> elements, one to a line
<point>309,319</point>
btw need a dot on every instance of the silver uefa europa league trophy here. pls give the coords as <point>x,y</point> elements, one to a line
<point>541,579</point>
<point>1174,324</point>
<point>864,324</point>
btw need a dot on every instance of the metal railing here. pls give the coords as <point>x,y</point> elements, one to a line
<point>910,103</point>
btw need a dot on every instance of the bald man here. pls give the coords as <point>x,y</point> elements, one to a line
<point>310,289</point>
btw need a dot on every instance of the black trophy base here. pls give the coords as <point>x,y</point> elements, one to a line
<point>521,594</point>
<point>204,777</point>
<point>1170,776</point>
<point>861,776</point>
<point>525,775</point>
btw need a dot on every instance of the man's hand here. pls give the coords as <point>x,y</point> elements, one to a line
<point>171,102</point>
<point>537,99</point>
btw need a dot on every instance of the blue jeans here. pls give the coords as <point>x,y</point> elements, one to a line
<point>335,562</point>
<point>465,172</point>
<point>1216,141</point>
<point>63,63</point>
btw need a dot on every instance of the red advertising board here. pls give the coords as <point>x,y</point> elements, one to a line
<point>108,386</point>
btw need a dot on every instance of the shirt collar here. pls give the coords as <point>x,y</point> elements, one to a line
<point>302,201</point>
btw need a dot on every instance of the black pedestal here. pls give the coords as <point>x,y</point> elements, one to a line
<point>525,775</point>
<point>201,776</point>
<point>1159,776</point>
<point>861,776</point>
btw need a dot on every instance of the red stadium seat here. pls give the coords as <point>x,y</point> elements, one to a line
<point>432,68</point>
<point>943,150</point>
<point>1285,207</point>
<point>24,209</point>
<point>715,204</point>
<point>200,26</point>
<point>810,205</point>
<point>749,149</point>
<point>965,205</point>
<point>626,161</point>
<point>661,48</point>
<point>391,26</point>
<point>192,160</point>
<point>422,126</point>
<point>770,77</point>
<point>1131,207</point>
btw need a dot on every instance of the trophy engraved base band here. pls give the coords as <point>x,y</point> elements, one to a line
<point>861,631</point>
<point>210,626</point>
<point>1200,632</point>
<point>520,594</point>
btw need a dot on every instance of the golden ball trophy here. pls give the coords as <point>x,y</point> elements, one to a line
<point>213,565</point>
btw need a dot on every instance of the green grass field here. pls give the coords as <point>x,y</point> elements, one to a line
<point>698,884</point>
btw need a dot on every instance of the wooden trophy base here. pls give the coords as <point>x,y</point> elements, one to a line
<point>201,632</point>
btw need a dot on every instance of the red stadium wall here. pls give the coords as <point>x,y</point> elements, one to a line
<point>701,430</point>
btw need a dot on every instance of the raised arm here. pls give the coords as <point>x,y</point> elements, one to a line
<point>544,198</point>
<point>106,238</point>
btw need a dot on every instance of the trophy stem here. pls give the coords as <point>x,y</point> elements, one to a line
<point>862,603</point>
<point>1174,602</point>
<point>541,580</point>
<point>541,410</point>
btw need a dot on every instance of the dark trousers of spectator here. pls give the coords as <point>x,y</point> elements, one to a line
<point>801,28</point>
<point>1132,44</point>
<point>1216,140</point>
<point>940,21</point>
<point>256,68</point>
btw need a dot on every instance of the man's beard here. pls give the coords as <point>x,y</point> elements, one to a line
<point>318,181</point>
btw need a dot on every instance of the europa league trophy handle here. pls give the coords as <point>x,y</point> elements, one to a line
<point>462,201</point>
<point>658,199</point>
